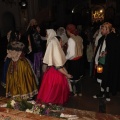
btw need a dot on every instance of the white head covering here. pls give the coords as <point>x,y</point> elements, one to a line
<point>61,32</point>
<point>54,55</point>
<point>50,34</point>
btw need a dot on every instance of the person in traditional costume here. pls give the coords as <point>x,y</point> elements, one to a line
<point>106,55</point>
<point>11,36</point>
<point>37,52</point>
<point>74,58</point>
<point>50,34</point>
<point>43,39</point>
<point>29,41</point>
<point>54,87</point>
<point>21,81</point>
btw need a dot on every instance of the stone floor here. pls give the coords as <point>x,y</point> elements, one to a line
<point>86,101</point>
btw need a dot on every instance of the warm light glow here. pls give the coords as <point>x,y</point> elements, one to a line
<point>101,11</point>
<point>98,15</point>
<point>99,69</point>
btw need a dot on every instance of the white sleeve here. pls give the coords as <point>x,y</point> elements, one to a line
<point>104,46</point>
<point>96,43</point>
<point>71,49</point>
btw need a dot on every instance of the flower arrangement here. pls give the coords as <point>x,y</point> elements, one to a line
<point>41,109</point>
<point>19,104</point>
<point>33,107</point>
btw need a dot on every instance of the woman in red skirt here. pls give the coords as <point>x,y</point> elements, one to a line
<point>54,87</point>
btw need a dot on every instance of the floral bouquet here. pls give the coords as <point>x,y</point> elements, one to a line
<point>46,109</point>
<point>41,109</point>
<point>19,105</point>
<point>33,107</point>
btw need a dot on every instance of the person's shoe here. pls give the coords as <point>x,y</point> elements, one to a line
<point>75,95</point>
<point>100,95</point>
<point>71,94</point>
<point>80,94</point>
<point>107,95</point>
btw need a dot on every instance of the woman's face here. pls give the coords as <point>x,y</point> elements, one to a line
<point>104,30</point>
<point>13,53</point>
<point>38,29</point>
<point>33,22</point>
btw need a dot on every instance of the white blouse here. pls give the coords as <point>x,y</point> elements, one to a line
<point>71,49</point>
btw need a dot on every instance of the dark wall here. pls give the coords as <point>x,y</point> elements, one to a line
<point>98,1</point>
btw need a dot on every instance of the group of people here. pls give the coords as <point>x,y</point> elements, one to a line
<point>60,63</point>
<point>50,66</point>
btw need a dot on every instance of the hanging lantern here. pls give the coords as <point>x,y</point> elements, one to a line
<point>99,69</point>
<point>23,4</point>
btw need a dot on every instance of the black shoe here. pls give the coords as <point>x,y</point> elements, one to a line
<point>75,95</point>
<point>80,94</point>
<point>107,95</point>
<point>100,95</point>
<point>71,94</point>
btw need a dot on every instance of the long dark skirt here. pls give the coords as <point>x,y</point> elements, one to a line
<point>75,68</point>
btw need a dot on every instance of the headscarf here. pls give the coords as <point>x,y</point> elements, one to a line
<point>50,34</point>
<point>62,33</point>
<point>72,29</point>
<point>54,55</point>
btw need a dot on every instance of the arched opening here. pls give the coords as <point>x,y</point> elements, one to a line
<point>8,22</point>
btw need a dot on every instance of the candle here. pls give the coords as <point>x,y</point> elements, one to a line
<point>99,69</point>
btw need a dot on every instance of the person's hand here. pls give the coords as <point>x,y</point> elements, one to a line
<point>5,59</point>
<point>103,53</point>
<point>30,49</point>
<point>96,66</point>
<point>69,76</point>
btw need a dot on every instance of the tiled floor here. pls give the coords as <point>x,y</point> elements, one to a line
<point>86,102</point>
